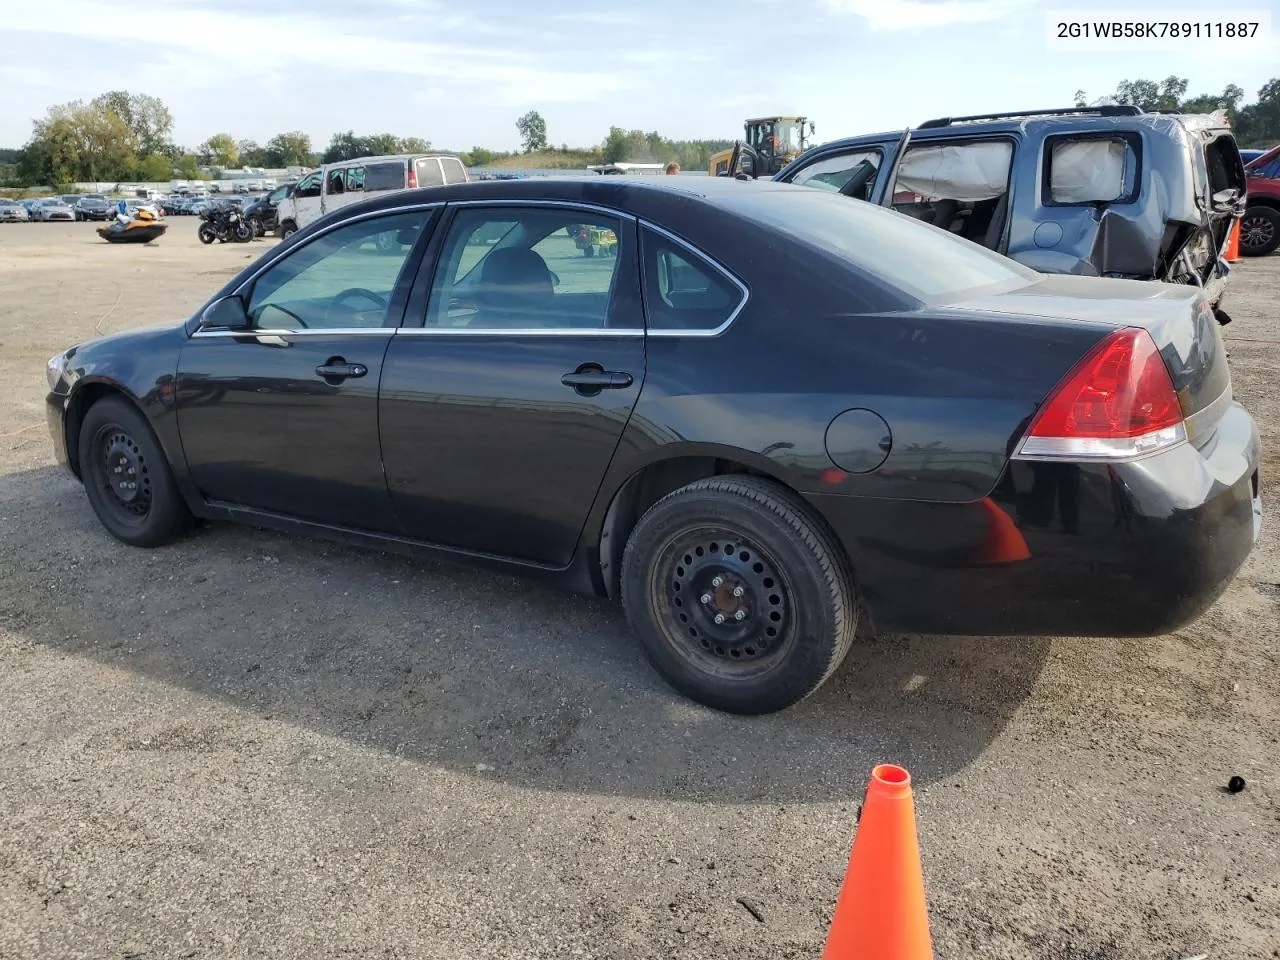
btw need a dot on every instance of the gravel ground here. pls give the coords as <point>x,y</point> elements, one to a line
<point>249,745</point>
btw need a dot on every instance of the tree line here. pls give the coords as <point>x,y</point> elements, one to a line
<point>121,136</point>
<point>1255,125</point>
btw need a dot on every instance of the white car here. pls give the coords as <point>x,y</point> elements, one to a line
<point>52,209</point>
<point>13,211</point>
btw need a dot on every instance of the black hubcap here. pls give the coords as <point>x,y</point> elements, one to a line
<point>1256,232</point>
<point>124,473</point>
<point>726,601</point>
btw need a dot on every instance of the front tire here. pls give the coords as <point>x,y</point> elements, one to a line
<point>244,232</point>
<point>206,233</point>
<point>733,545</point>
<point>288,229</point>
<point>127,478</point>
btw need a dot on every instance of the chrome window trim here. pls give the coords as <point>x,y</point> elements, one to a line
<point>326,332</point>
<point>717,265</point>
<point>520,332</point>
<point>276,256</point>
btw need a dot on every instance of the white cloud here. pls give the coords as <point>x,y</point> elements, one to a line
<point>915,14</point>
<point>510,71</point>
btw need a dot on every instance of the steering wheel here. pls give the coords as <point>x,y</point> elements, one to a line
<point>351,292</point>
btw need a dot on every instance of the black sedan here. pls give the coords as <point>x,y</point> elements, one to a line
<point>760,414</point>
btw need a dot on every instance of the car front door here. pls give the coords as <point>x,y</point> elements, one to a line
<point>306,199</point>
<point>505,394</point>
<point>282,415</point>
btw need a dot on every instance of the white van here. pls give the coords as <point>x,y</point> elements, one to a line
<point>337,184</point>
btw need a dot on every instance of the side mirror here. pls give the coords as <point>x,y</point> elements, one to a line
<point>228,313</point>
<point>1224,201</point>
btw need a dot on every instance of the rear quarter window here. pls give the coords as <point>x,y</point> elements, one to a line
<point>683,290</point>
<point>1089,170</point>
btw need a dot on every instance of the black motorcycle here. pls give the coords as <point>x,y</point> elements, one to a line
<point>222,224</point>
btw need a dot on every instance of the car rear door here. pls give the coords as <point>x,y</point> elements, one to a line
<point>283,416</point>
<point>505,395</point>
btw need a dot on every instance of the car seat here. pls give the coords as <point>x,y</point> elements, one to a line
<point>515,289</point>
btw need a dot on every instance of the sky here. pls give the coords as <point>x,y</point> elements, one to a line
<point>460,73</point>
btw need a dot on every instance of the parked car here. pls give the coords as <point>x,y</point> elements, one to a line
<point>51,208</point>
<point>1260,225</point>
<point>1102,191</point>
<point>12,211</point>
<point>746,448</point>
<point>337,184</point>
<point>94,206</point>
<point>29,205</point>
<point>1250,155</point>
<point>262,212</point>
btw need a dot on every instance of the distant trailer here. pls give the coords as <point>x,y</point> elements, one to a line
<point>628,168</point>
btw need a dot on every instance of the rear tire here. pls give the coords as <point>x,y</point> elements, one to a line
<point>782,569</point>
<point>117,449</point>
<point>1259,231</point>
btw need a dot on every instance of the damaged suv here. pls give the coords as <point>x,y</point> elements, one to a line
<point>1099,191</point>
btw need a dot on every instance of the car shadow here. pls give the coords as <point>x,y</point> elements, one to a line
<point>483,672</point>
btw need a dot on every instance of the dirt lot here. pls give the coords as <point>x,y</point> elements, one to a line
<point>251,746</point>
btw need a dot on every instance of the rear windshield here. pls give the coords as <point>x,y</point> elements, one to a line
<point>921,261</point>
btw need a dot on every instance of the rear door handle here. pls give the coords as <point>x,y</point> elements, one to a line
<point>594,379</point>
<point>335,368</point>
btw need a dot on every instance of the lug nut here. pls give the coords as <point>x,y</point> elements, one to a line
<point>738,591</point>
<point>717,581</point>
<point>705,598</point>
<point>719,618</point>
<point>740,615</point>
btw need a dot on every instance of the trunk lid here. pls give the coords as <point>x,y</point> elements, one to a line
<point>1178,318</point>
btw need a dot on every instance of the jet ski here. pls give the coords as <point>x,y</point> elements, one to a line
<point>143,227</point>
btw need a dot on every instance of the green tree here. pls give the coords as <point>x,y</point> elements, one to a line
<point>252,155</point>
<point>415,145</point>
<point>147,118</point>
<point>220,150</point>
<point>155,167</point>
<point>188,167</point>
<point>1259,123</point>
<point>533,131</point>
<point>292,149</point>
<point>479,157</point>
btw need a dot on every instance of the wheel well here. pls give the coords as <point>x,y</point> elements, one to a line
<point>1263,201</point>
<point>84,398</point>
<point>649,485</point>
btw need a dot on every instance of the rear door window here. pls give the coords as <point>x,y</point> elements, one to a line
<point>388,175</point>
<point>429,172</point>
<point>355,179</point>
<point>960,187</point>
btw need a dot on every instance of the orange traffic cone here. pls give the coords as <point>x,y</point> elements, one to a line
<point>1004,542</point>
<point>1233,243</point>
<point>881,913</point>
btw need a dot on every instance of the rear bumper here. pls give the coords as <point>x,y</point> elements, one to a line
<point>1132,549</point>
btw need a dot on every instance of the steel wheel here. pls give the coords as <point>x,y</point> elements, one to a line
<point>723,602</point>
<point>121,471</point>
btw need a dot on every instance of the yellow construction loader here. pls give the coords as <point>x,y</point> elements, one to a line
<point>776,141</point>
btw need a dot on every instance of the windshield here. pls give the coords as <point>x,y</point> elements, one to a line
<point>928,264</point>
<point>788,134</point>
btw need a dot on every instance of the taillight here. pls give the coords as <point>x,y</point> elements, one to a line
<point>1117,403</point>
<point>413,178</point>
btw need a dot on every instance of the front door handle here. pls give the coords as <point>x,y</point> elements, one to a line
<point>337,369</point>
